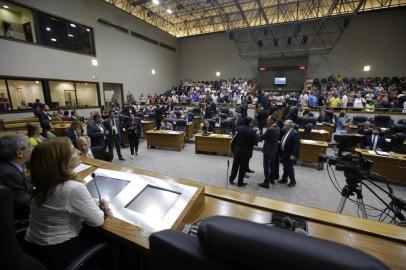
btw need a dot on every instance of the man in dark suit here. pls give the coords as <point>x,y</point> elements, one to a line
<point>97,152</point>
<point>374,141</point>
<point>72,133</point>
<point>44,118</point>
<point>270,149</point>
<point>244,140</point>
<point>323,117</point>
<point>15,151</point>
<point>113,131</point>
<point>262,117</point>
<point>96,131</point>
<point>290,147</point>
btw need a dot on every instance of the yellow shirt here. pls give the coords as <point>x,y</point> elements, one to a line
<point>334,102</point>
<point>33,141</point>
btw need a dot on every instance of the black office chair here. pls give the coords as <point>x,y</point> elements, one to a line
<point>402,121</point>
<point>12,256</point>
<point>307,134</point>
<point>140,115</point>
<point>197,112</point>
<point>332,116</point>
<point>397,143</point>
<point>178,114</point>
<point>382,121</point>
<point>230,243</point>
<point>359,120</point>
<point>397,128</point>
<point>212,125</point>
<point>226,127</point>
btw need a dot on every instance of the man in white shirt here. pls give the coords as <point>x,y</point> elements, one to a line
<point>344,100</point>
<point>304,99</point>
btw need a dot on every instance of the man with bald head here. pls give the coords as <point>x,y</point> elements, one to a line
<point>290,146</point>
<point>97,152</point>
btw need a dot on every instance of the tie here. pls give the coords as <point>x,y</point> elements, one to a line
<point>374,142</point>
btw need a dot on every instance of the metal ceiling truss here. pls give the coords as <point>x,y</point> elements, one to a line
<point>195,17</point>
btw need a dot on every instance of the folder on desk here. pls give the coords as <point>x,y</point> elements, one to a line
<point>381,153</point>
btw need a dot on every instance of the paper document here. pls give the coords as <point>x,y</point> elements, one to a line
<point>81,167</point>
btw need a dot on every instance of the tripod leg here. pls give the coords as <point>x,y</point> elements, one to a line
<point>341,204</point>
<point>362,206</point>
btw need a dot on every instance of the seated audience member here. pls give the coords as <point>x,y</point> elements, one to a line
<point>34,134</point>
<point>15,151</point>
<point>370,106</point>
<point>323,117</point>
<point>374,141</point>
<point>72,132</point>
<point>365,129</point>
<point>74,116</point>
<point>66,116</point>
<point>60,206</point>
<point>47,133</point>
<point>341,123</point>
<point>97,131</point>
<point>97,152</point>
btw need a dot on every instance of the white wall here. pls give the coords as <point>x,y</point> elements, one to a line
<point>200,57</point>
<point>122,58</point>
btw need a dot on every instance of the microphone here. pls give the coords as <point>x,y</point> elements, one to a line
<point>94,180</point>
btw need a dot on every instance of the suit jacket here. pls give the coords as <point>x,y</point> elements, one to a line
<point>44,118</point>
<point>292,145</point>
<point>21,187</point>
<point>271,138</point>
<point>72,134</point>
<point>109,128</point>
<point>368,142</point>
<point>244,140</point>
<point>262,116</point>
<point>324,119</point>
<point>133,128</point>
<point>97,137</point>
<point>99,152</point>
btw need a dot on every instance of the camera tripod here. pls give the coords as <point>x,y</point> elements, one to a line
<point>352,188</point>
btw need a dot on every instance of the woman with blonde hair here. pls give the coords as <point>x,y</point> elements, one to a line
<point>60,206</point>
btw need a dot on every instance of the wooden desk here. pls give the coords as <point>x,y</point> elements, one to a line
<point>197,120</point>
<point>13,132</point>
<point>218,129</point>
<point>310,151</point>
<point>393,168</point>
<point>146,126</point>
<point>327,127</point>
<point>317,135</point>
<point>213,143</point>
<point>352,129</point>
<point>165,138</point>
<point>189,130</point>
<point>386,242</point>
<point>59,128</point>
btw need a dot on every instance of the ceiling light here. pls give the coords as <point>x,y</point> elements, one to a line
<point>87,29</point>
<point>73,25</point>
<point>155,2</point>
<point>367,68</point>
<point>70,35</point>
<point>37,82</point>
<point>169,11</point>
<point>5,6</point>
<point>218,74</point>
<point>153,71</point>
<point>53,39</point>
<point>48,29</point>
<point>95,62</point>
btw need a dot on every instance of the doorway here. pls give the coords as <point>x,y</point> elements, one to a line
<point>113,94</point>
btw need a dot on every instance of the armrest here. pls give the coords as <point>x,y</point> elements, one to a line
<point>85,256</point>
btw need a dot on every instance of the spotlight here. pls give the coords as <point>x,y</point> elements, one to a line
<point>73,25</point>
<point>53,39</point>
<point>155,2</point>
<point>6,7</point>
<point>48,28</point>
<point>169,11</point>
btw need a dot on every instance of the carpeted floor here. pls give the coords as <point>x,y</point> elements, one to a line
<point>313,188</point>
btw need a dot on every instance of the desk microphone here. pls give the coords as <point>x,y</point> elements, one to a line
<point>94,180</point>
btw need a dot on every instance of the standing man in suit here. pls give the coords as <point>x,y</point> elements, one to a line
<point>97,131</point>
<point>44,119</point>
<point>290,147</point>
<point>15,151</point>
<point>113,131</point>
<point>270,150</point>
<point>242,146</point>
<point>374,141</point>
<point>262,117</point>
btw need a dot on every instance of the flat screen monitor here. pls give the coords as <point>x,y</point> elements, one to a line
<point>153,202</point>
<point>280,80</point>
<point>108,187</point>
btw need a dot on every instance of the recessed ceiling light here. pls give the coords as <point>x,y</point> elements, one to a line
<point>73,25</point>
<point>169,11</point>
<point>95,62</point>
<point>53,39</point>
<point>5,6</point>
<point>217,73</point>
<point>153,71</point>
<point>367,68</point>
<point>87,29</point>
<point>70,35</point>
<point>155,2</point>
<point>48,28</point>
<point>36,81</point>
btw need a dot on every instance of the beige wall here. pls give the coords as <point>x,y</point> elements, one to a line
<point>26,91</point>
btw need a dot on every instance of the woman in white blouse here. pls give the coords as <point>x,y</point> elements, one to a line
<point>60,206</point>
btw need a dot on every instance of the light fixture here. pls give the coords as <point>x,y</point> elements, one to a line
<point>5,6</point>
<point>153,71</point>
<point>87,29</point>
<point>95,62</point>
<point>73,25</point>
<point>70,35</point>
<point>367,68</point>
<point>85,83</point>
<point>155,2</point>
<point>169,11</point>
<point>53,39</point>
<point>48,29</point>
<point>36,82</point>
<point>218,74</point>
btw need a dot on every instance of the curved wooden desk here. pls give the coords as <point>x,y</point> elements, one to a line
<point>386,242</point>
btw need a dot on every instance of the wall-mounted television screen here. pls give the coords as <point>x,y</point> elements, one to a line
<point>280,80</point>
